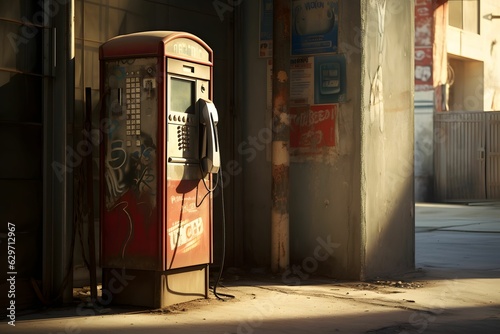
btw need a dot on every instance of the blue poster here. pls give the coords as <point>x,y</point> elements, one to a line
<point>314,26</point>
<point>266,28</point>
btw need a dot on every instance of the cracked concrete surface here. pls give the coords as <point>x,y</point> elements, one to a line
<point>454,289</point>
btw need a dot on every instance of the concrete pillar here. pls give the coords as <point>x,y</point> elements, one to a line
<point>387,194</point>
<point>352,209</point>
<point>351,205</point>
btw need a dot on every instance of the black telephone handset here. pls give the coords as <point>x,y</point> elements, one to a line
<point>210,155</point>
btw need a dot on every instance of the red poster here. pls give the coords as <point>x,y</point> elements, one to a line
<point>423,45</point>
<point>313,127</point>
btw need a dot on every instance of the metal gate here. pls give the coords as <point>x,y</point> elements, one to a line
<point>467,156</point>
<point>493,155</point>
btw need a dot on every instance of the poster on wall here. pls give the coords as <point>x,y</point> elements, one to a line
<point>302,80</point>
<point>318,80</point>
<point>266,29</point>
<point>312,129</point>
<point>317,85</point>
<point>423,45</point>
<point>314,26</point>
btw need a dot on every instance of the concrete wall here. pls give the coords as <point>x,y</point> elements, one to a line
<point>351,210</point>
<point>387,138</point>
<point>482,89</point>
<point>21,141</point>
<point>424,145</point>
<point>252,148</point>
<point>325,193</point>
<point>466,91</point>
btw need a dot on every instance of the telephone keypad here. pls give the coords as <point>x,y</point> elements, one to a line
<point>133,100</point>
<point>183,137</point>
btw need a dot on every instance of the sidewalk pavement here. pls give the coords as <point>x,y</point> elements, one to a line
<point>454,289</point>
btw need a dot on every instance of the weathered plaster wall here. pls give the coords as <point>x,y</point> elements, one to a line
<point>387,202</point>
<point>253,146</point>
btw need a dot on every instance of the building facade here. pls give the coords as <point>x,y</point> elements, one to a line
<point>456,69</point>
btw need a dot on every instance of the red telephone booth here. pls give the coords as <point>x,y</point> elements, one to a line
<point>157,159</point>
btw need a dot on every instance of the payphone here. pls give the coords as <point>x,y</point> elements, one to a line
<point>158,157</point>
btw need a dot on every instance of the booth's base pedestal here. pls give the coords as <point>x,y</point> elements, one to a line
<point>155,289</point>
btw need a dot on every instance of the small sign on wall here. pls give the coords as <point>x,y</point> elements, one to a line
<point>318,80</point>
<point>329,79</point>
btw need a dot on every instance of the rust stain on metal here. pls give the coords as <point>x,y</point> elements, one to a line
<point>282,14</point>
<point>279,105</point>
<point>280,188</point>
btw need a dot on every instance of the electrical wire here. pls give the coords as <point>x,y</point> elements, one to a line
<point>209,191</point>
<point>216,294</point>
<point>205,184</point>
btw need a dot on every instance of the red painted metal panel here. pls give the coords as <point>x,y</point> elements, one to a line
<point>188,224</point>
<point>130,230</point>
<point>156,43</point>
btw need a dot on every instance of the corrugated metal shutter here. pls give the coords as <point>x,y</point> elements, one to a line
<point>493,156</point>
<point>467,156</point>
<point>459,156</point>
